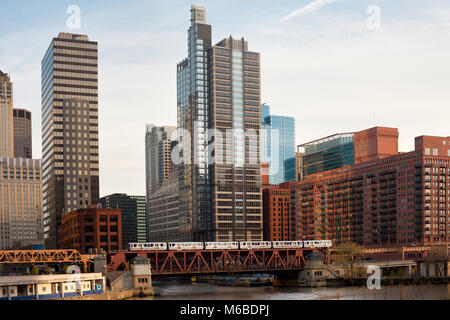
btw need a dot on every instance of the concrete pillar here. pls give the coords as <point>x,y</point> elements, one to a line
<point>62,289</point>
<point>100,264</point>
<point>36,291</point>
<point>8,290</point>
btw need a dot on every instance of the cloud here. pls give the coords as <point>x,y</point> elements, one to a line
<point>313,6</point>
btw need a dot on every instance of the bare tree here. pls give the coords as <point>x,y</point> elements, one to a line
<point>438,256</point>
<point>347,254</point>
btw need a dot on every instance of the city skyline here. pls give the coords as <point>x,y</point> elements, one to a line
<point>359,56</point>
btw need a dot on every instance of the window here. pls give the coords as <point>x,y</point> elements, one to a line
<point>103,218</point>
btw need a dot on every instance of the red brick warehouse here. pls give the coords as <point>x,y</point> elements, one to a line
<point>92,228</point>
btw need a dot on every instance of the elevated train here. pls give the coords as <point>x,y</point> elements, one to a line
<point>180,246</point>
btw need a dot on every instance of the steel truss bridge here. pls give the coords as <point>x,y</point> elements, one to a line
<point>44,256</point>
<point>191,262</point>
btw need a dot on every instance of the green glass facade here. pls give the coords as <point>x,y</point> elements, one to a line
<point>328,154</point>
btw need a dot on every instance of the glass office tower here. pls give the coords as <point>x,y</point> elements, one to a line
<point>218,89</point>
<point>278,146</point>
<point>193,116</point>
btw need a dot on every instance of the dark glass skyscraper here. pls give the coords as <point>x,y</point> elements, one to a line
<point>70,162</point>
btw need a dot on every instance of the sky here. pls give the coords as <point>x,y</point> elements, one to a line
<point>334,65</point>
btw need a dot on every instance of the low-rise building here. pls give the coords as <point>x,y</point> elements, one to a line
<point>401,199</point>
<point>134,221</point>
<point>21,213</point>
<point>277,212</point>
<point>92,229</point>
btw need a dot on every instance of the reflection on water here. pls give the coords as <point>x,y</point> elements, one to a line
<point>177,290</point>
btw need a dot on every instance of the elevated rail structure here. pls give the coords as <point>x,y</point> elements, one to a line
<point>44,256</point>
<point>193,262</point>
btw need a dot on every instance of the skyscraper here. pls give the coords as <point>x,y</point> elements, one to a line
<point>193,116</point>
<point>220,183</point>
<point>6,117</point>
<point>158,162</point>
<point>278,146</point>
<point>22,134</point>
<point>69,129</point>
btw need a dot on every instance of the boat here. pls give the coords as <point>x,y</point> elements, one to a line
<point>245,281</point>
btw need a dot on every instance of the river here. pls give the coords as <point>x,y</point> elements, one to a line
<point>179,290</point>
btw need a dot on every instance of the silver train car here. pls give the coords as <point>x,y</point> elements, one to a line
<point>247,245</point>
<point>317,244</point>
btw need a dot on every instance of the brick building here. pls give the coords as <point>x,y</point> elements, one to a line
<point>386,198</point>
<point>277,212</point>
<point>92,229</point>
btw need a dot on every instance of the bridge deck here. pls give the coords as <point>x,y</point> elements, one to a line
<point>214,261</point>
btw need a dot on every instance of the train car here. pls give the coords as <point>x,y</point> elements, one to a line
<point>287,244</point>
<point>317,244</point>
<point>177,246</point>
<point>221,245</point>
<point>255,245</point>
<point>148,246</point>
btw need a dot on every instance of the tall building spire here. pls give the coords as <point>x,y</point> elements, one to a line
<point>6,117</point>
<point>198,15</point>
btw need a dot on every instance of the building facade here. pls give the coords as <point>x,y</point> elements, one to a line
<point>347,149</point>
<point>158,161</point>
<point>22,134</point>
<point>6,117</point>
<point>21,217</point>
<point>133,212</point>
<point>219,101</point>
<point>141,213</point>
<point>163,214</point>
<point>277,212</point>
<point>278,145</point>
<point>92,229</point>
<point>400,199</point>
<point>69,129</point>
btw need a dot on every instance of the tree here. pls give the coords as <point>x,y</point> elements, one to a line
<point>347,253</point>
<point>438,256</point>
